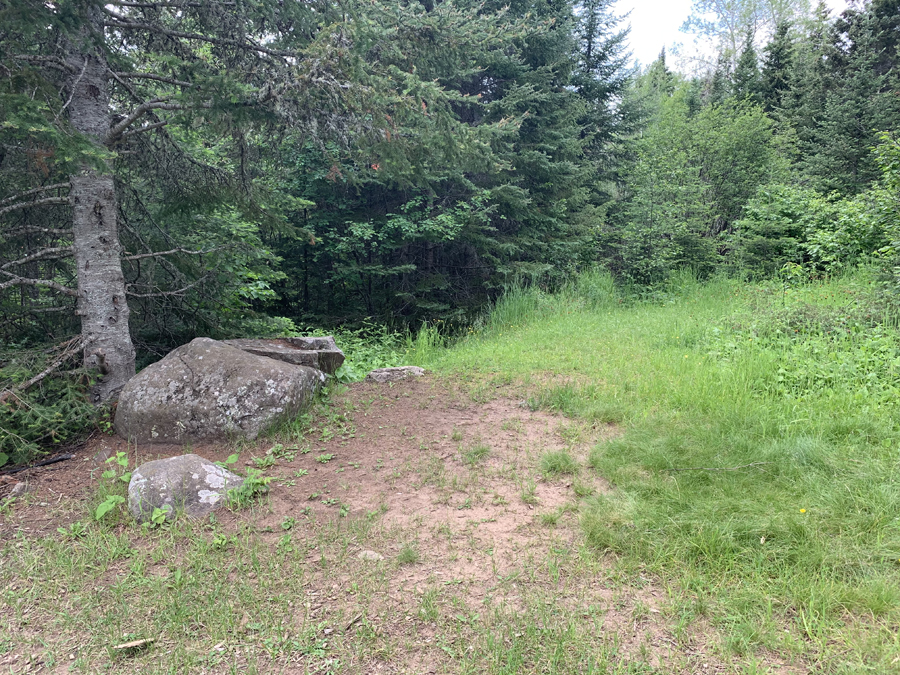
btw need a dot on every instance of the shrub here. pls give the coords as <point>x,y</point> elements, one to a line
<point>54,411</point>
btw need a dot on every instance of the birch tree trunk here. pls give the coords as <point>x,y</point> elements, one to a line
<point>102,304</point>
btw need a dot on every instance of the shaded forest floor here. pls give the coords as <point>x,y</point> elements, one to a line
<point>426,526</point>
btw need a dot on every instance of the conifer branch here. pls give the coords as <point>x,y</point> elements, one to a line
<point>147,127</point>
<point>52,61</point>
<point>162,294</point>
<point>156,254</point>
<point>167,5</point>
<point>156,104</point>
<point>125,22</point>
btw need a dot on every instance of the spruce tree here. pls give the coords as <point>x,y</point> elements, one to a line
<point>776,68</point>
<point>151,116</point>
<point>860,100</point>
<point>746,79</point>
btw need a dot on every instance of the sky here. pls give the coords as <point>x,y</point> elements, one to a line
<point>655,23</point>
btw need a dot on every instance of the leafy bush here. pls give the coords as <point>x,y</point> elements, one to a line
<point>365,348</point>
<point>785,224</point>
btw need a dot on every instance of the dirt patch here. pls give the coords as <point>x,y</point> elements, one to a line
<point>467,525</point>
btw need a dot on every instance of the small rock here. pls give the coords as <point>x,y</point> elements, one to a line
<point>382,375</point>
<point>369,555</point>
<point>187,482</point>
<point>19,490</point>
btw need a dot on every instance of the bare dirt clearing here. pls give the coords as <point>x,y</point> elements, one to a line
<point>410,530</point>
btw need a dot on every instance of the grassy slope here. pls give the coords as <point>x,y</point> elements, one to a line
<point>799,552</point>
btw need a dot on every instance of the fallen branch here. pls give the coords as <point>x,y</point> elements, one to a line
<point>52,460</point>
<point>721,468</point>
<point>70,348</point>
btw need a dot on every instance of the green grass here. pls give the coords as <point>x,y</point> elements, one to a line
<point>758,466</point>
<point>558,463</point>
<point>408,555</point>
<point>476,454</point>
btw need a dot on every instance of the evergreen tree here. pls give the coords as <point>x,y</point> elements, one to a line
<point>718,83</point>
<point>776,68</point>
<point>746,80</point>
<point>153,118</point>
<point>860,101</point>
<point>438,240</point>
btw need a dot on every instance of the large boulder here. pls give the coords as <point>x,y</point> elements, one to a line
<point>189,483</point>
<point>315,352</point>
<point>210,390</point>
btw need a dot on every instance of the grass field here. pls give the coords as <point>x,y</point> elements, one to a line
<point>758,468</point>
<point>716,484</point>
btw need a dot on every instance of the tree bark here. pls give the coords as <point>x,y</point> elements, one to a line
<point>102,304</point>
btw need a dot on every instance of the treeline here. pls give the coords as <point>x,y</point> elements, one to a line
<point>785,156</point>
<point>282,164</point>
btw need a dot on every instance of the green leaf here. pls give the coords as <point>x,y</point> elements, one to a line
<point>4,458</point>
<point>108,505</point>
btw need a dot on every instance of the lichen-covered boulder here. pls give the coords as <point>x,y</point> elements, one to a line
<point>208,390</point>
<point>382,375</point>
<point>187,483</point>
<point>315,352</point>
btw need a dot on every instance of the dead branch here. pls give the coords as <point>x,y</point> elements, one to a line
<point>50,310</point>
<point>28,193</point>
<point>34,229</point>
<point>24,281</point>
<point>174,250</point>
<point>43,254</point>
<point>72,93</point>
<point>37,202</point>
<point>151,76</point>
<point>163,294</point>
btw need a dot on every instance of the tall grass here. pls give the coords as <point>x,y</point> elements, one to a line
<point>759,462</point>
